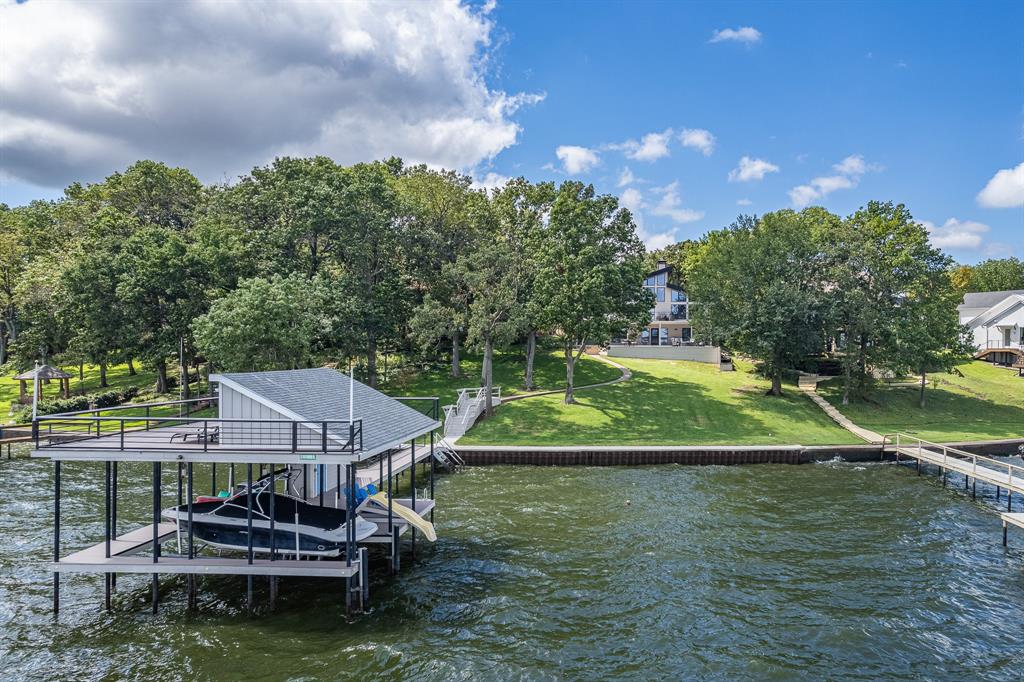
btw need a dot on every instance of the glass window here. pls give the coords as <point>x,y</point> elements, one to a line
<point>661,280</point>
<point>659,294</point>
<point>678,296</point>
<point>685,333</point>
<point>649,282</point>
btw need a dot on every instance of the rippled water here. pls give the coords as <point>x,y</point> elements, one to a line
<point>835,571</point>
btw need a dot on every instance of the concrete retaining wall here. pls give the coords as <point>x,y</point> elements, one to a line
<point>709,354</point>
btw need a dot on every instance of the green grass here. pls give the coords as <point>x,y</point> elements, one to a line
<point>548,373</point>
<point>987,402</point>
<point>117,377</point>
<point>666,403</point>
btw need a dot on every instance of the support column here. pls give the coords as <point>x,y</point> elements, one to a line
<point>248,528</point>
<point>156,532</point>
<point>56,535</point>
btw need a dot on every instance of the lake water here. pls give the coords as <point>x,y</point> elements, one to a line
<point>828,571</point>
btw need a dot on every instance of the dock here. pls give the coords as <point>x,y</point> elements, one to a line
<point>1010,519</point>
<point>1003,475</point>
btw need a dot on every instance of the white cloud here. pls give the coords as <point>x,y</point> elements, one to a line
<point>651,147</point>
<point>670,205</point>
<point>87,88</point>
<point>745,34</point>
<point>698,138</point>
<point>577,160</point>
<point>491,180</point>
<point>626,177</point>
<point>632,199</point>
<point>849,172</point>
<point>751,169</point>
<point>956,234</point>
<point>1004,190</point>
<point>743,202</point>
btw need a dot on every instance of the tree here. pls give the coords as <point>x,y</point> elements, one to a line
<point>521,209</point>
<point>588,283</point>
<point>756,284</point>
<point>673,254</point>
<point>261,325</point>
<point>994,274</point>
<point>930,337</point>
<point>441,227</point>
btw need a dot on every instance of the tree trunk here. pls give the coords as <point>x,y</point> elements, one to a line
<point>846,382</point>
<point>3,346</point>
<point>862,365</point>
<point>456,358</point>
<point>161,376</point>
<point>570,366</point>
<point>776,382</point>
<point>371,360</point>
<point>488,376</point>
<point>81,372</point>
<point>185,390</point>
<point>103,375</point>
<point>923,379</point>
<point>131,368</point>
<point>531,351</point>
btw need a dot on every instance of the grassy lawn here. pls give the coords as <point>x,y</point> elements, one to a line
<point>665,403</point>
<point>548,373</point>
<point>117,377</point>
<point>987,402</point>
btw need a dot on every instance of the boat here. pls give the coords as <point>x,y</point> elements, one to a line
<point>300,528</point>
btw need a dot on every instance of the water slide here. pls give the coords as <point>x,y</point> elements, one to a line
<point>414,519</point>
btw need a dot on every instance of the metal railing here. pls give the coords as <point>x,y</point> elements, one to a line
<point>147,429</point>
<point>993,469</point>
<point>994,345</point>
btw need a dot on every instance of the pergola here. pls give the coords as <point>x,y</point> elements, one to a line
<point>43,373</point>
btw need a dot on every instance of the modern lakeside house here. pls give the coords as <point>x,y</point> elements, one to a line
<point>669,335</point>
<point>996,322</point>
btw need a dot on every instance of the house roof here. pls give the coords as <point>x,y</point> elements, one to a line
<point>669,271</point>
<point>321,394</point>
<point>43,372</point>
<point>986,299</point>
<point>997,311</point>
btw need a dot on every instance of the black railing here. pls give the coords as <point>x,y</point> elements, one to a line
<point>148,429</point>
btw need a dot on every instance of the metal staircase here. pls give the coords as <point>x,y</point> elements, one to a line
<point>458,418</point>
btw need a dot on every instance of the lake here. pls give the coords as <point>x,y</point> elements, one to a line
<point>834,570</point>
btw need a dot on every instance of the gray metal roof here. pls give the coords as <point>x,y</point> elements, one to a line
<point>986,299</point>
<point>321,394</point>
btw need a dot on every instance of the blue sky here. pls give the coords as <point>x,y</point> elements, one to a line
<point>830,103</point>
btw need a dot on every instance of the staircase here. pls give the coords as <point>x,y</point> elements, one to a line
<point>458,418</point>
<point>446,456</point>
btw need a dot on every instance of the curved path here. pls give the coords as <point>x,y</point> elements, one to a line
<point>808,383</point>
<point>625,376</point>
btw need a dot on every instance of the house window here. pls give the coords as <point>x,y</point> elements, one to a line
<point>659,294</point>
<point>686,334</point>
<point>678,296</point>
<point>679,312</point>
<point>660,280</point>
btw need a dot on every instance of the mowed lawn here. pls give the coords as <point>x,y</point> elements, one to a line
<point>665,403</point>
<point>986,402</point>
<point>548,374</point>
<point>117,377</point>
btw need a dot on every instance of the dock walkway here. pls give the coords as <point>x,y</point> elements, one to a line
<point>992,471</point>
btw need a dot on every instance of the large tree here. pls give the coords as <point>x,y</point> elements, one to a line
<point>589,273</point>
<point>994,274</point>
<point>261,325</point>
<point>756,284</point>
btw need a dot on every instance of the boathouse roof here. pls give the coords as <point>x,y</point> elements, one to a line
<point>322,394</point>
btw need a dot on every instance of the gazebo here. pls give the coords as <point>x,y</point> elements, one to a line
<point>43,373</point>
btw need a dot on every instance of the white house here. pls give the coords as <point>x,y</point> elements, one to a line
<point>996,321</point>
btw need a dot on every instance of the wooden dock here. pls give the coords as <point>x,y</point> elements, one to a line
<point>1005,475</point>
<point>1011,520</point>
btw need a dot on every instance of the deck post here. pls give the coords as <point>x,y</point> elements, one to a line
<point>156,532</point>
<point>1009,500</point>
<point>113,515</point>
<point>918,467</point>
<point>213,480</point>
<point>106,530</point>
<point>350,526</point>
<point>273,544</point>
<point>943,477</point>
<point>1005,527</point>
<point>433,469</point>
<point>191,537</point>
<point>396,555</point>
<point>248,528</point>
<point>412,485</point>
<point>56,533</point>
<point>391,512</point>
<point>364,572</point>
<point>974,490</point>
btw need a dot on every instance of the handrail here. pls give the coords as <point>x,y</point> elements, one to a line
<point>961,455</point>
<point>132,406</point>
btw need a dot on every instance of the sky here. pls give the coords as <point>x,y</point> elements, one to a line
<point>691,113</point>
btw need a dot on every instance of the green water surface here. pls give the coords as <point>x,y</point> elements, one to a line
<point>828,571</point>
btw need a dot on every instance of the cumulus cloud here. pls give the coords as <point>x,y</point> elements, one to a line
<point>1004,190</point>
<point>632,199</point>
<point>750,169</point>
<point>744,34</point>
<point>699,139</point>
<point>86,88</point>
<point>651,147</point>
<point>848,174</point>
<point>626,177</point>
<point>490,180</point>
<point>743,202</point>
<point>576,160</point>
<point>956,234</point>
<point>670,205</point>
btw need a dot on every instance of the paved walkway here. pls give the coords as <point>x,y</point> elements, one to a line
<point>808,383</point>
